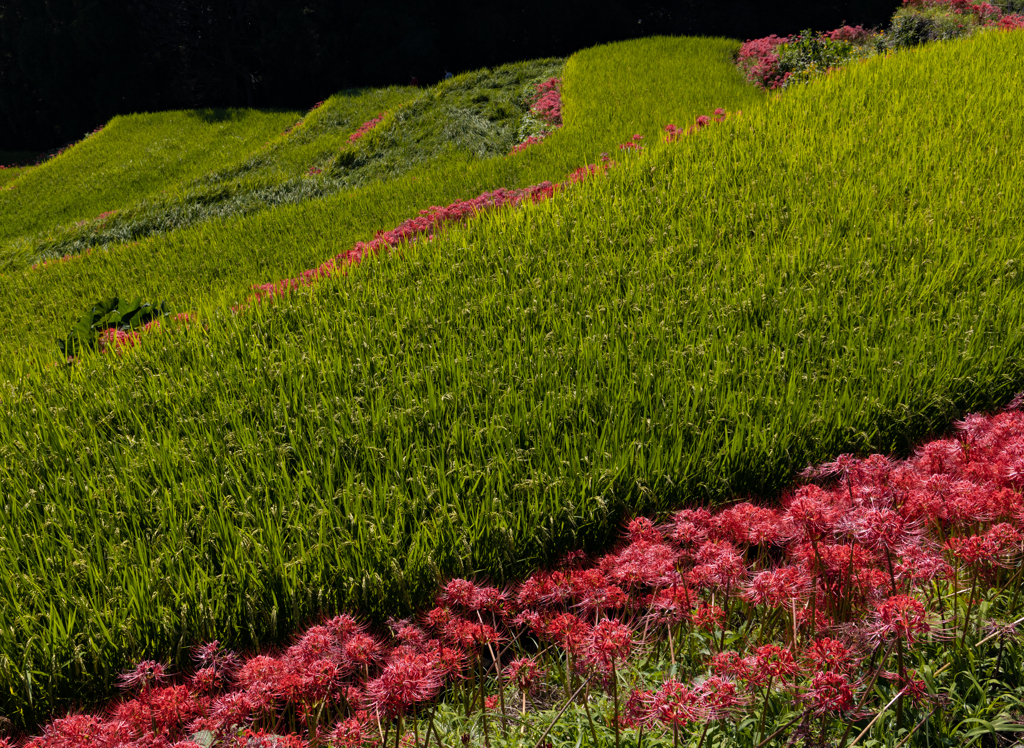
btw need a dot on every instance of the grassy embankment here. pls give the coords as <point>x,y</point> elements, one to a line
<point>133,157</point>
<point>215,262</point>
<point>835,271</point>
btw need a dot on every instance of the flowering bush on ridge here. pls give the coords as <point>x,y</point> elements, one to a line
<point>775,62</point>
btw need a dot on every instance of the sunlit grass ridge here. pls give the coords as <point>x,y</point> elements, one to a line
<point>217,261</point>
<point>836,271</point>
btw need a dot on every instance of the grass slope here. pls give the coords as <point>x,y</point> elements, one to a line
<point>134,156</point>
<point>215,262</point>
<point>478,114</point>
<point>836,271</point>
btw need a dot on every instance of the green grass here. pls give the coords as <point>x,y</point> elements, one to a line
<point>9,175</point>
<point>133,157</point>
<point>835,271</point>
<point>476,115</point>
<point>214,262</point>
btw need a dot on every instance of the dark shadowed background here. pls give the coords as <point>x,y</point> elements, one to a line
<point>67,66</point>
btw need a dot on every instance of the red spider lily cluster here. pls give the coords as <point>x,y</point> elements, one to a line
<point>759,60</point>
<point>852,34</point>
<point>293,127</point>
<point>366,127</point>
<point>674,133</point>
<point>827,595</point>
<point>548,107</point>
<point>633,144</point>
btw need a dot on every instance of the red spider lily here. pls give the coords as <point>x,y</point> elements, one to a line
<point>642,564</point>
<point>348,733</point>
<point>900,617</point>
<point>730,664</point>
<point>409,634</point>
<point>610,641</point>
<point>363,651</point>
<point>318,643</point>
<point>746,524</point>
<point>457,593</point>
<point>260,676</point>
<point>437,618</point>
<point>881,529</point>
<point>311,682</point>
<point>690,527</point>
<point>917,565</point>
<point>450,661</point>
<point>707,617</point>
<point>212,655</point>
<point>207,680</point>
<point>144,675</point>
<point>470,634</point>
<point>161,710</point>
<point>113,339</point>
<point>531,140</point>
<point>366,127</point>
<point>672,133</point>
<point>568,631</point>
<point>914,688</point>
<point>719,697</point>
<point>633,144</point>
<point>677,706</point>
<point>830,693</point>
<point>548,105</point>
<point>777,588</point>
<point>82,731</point>
<point>641,528</point>
<point>813,513</point>
<point>235,708</point>
<point>830,655</point>
<point>638,711</point>
<point>759,60</point>
<point>524,672</point>
<point>773,663</point>
<point>852,34</point>
<point>491,702</point>
<point>671,604</point>
<point>405,682</point>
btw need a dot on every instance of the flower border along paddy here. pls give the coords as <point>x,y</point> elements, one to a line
<point>858,608</point>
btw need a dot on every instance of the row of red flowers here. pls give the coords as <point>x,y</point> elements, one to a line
<point>827,594</point>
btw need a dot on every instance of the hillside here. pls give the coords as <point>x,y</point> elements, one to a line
<point>834,270</point>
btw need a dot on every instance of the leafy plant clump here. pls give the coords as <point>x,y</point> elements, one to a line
<point>111,324</point>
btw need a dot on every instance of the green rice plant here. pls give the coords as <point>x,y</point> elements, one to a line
<point>837,271</point>
<point>133,157</point>
<point>216,262</point>
<point>8,175</point>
